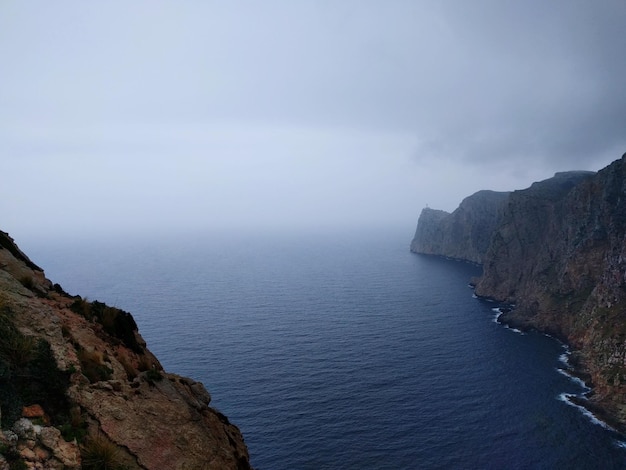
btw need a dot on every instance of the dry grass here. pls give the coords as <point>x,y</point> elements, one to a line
<point>99,453</point>
<point>93,365</point>
<point>130,370</point>
<point>18,349</point>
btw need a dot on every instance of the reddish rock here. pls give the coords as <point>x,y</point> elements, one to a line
<point>117,387</point>
<point>33,411</point>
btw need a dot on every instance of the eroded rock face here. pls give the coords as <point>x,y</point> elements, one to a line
<point>97,385</point>
<point>558,252</point>
<point>530,239</point>
<point>561,257</point>
<point>38,446</point>
<point>163,423</point>
<point>465,233</point>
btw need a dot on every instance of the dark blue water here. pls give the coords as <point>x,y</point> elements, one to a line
<point>343,352</point>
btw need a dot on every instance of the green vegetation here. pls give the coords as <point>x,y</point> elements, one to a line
<point>18,464</point>
<point>12,457</point>
<point>615,375</point>
<point>116,322</point>
<point>28,373</point>
<point>154,375</point>
<point>93,365</point>
<point>16,349</point>
<point>7,242</point>
<point>28,282</point>
<point>76,427</point>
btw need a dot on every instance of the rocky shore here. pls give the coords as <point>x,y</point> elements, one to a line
<point>80,390</point>
<point>557,251</point>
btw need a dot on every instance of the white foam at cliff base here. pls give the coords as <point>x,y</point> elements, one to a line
<point>621,444</point>
<point>573,378</point>
<point>496,317</point>
<point>565,397</point>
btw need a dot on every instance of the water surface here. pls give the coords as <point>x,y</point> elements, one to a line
<point>343,351</point>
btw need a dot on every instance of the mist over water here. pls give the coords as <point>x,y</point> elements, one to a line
<point>338,350</point>
<point>344,351</point>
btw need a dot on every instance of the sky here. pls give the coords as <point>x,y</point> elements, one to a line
<point>144,116</point>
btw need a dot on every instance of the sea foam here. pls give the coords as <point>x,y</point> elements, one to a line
<point>566,398</point>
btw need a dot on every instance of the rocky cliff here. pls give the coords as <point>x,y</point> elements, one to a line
<point>79,388</point>
<point>463,234</point>
<point>558,252</point>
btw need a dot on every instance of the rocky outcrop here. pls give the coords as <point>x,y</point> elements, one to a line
<point>528,240</point>
<point>37,446</point>
<point>558,253</point>
<point>463,234</point>
<point>79,388</point>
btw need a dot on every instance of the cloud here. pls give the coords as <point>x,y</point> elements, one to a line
<point>489,79</point>
<point>275,96</point>
<point>541,82</point>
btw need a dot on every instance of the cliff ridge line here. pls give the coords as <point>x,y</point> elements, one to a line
<point>557,251</point>
<point>80,389</point>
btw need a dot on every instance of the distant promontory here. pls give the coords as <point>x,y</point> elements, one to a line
<point>557,252</point>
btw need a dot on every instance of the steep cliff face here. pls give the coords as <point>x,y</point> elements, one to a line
<point>79,388</point>
<point>530,240</point>
<point>463,234</point>
<point>558,252</point>
<point>561,257</point>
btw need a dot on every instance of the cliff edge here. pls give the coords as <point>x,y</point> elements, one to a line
<point>80,390</point>
<point>465,233</point>
<point>558,253</point>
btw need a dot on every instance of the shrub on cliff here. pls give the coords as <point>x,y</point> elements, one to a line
<point>28,373</point>
<point>93,365</point>
<point>116,322</point>
<point>99,453</point>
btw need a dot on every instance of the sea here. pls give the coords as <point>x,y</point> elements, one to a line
<point>343,350</point>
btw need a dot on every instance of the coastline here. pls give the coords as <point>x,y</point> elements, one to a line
<point>557,247</point>
<point>574,369</point>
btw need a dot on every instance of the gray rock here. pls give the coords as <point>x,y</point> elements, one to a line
<point>465,233</point>
<point>9,438</point>
<point>67,453</point>
<point>557,250</point>
<point>24,429</point>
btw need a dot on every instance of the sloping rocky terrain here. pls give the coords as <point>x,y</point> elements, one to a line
<point>558,253</point>
<point>79,388</point>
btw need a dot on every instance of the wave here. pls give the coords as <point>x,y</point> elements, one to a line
<point>564,358</point>
<point>497,312</point>
<point>496,319</point>
<point>577,400</point>
<point>573,378</point>
<point>568,399</point>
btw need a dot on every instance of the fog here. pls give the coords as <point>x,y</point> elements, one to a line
<point>135,117</point>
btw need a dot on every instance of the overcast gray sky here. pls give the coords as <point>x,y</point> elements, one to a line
<point>124,116</point>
